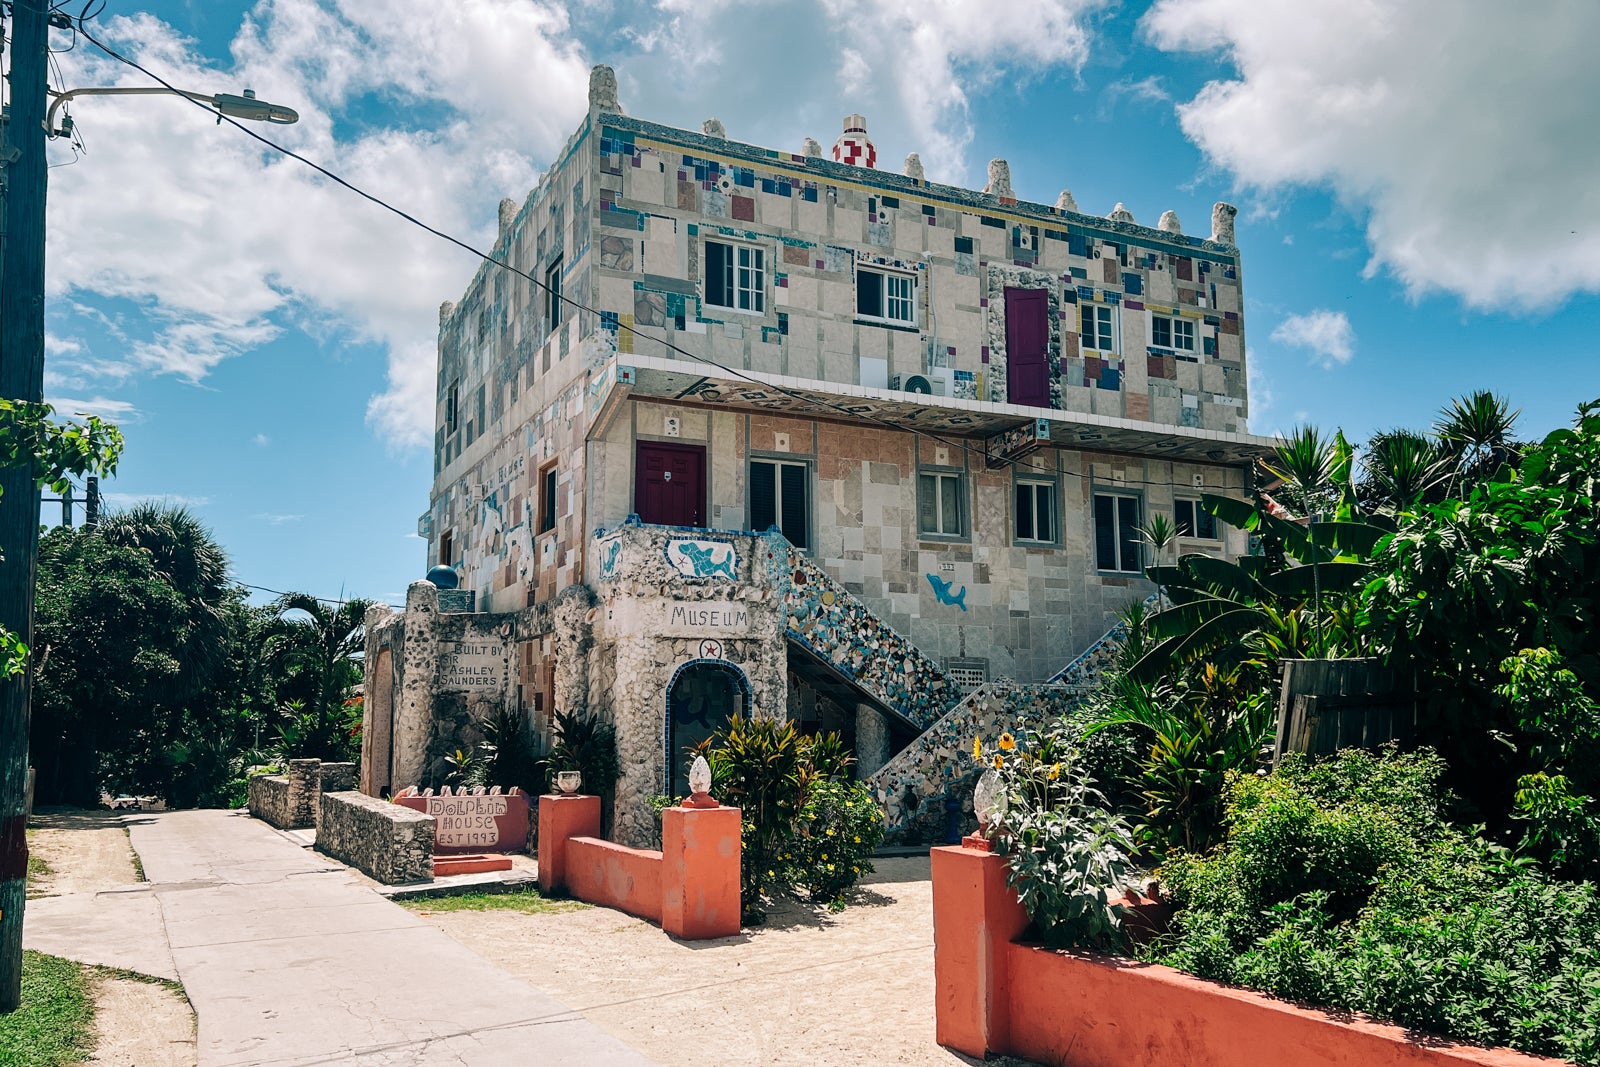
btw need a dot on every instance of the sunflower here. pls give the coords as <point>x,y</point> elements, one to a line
<point>999,761</point>
<point>1007,742</point>
<point>977,748</point>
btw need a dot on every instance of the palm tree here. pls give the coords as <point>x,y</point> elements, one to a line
<point>1401,469</point>
<point>1475,432</point>
<point>312,649</point>
<point>187,556</point>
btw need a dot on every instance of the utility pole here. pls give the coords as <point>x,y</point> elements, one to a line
<point>23,172</point>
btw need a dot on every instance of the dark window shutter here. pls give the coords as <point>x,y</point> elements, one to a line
<point>1128,532</point>
<point>763,496</point>
<point>1025,524</point>
<point>719,274</point>
<point>869,294</point>
<point>794,504</point>
<point>1105,533</point>
<point>1045,512</point>
<point>1183,514</point>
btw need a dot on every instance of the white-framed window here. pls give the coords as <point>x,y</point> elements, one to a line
<point>736,277</point>
<point>780,495</point>
<point>886,296</point>
<point>1172,332</point>
<point>1192,520</point>
<point>1116,533</point>
<point>554,305</point>
<point>941,504</point>
<point>1097,327</point>
<point>1034,518</point>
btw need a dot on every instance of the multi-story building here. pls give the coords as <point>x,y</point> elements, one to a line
<point>750,430</point>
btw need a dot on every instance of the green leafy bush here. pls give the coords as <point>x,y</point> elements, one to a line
<point>1069,855</point>
<point>1342,884</point>
<point>835,833</point>
<point>586,744</point>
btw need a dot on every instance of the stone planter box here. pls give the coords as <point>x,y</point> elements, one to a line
<point>385,841</point>
<point>995,995</point>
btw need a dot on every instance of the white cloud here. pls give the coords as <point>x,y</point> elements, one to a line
<point>274,519</point>
<point>1327,334</point>
<point>1464,131</point>
<point>105,407</point>
<point>908,65</point>
<point>261,440</point>
<point>223,244</point>
<point>123,500</point>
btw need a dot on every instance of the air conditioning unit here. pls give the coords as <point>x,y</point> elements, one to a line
<point>927,385</point>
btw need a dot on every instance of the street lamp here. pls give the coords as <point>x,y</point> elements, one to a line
<point>243,106</point>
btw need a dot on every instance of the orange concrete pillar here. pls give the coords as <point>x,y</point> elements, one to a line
<point>700,872</point>
<point>560,819</point>
<point>975,915</point>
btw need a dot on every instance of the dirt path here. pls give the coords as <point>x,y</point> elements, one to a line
<point>141,1024</point>
<point>852,988</point>
<point>86,851</point>
<point>138,1023</point>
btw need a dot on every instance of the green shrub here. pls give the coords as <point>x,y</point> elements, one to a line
<point>836,831</point>
<point>1069,855</point>
<point>1342,884</point>
<point>587,744</point>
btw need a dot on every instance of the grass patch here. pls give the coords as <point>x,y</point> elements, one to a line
<point>37,867</point>
<point>138,868</point>
<point>528,901</point>
<point>53,1024</point>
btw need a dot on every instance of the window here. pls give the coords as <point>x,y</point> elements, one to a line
<point>1098,327</point>
<point>547,499</point>
<point>1116,533</point>
<point>1192,520</point>
<point>779,496</point>
<point>452,408</point>
<point>939,504</point>
<point>736,277</point>
<point>1035,518</point>
<point>552,290</point>
<point>447,544</point>
<point>1172,332</point>
<point>886,296</point>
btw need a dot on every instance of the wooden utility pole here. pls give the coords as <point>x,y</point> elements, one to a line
<point>22,171</point>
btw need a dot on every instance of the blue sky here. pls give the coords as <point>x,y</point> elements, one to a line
<point>1418,211</point>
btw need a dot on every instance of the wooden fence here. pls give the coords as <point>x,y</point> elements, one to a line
<point>1329,704</point>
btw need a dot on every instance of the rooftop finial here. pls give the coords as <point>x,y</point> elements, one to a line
<point>913,168</point>
<point>811,148</point>
<point>1066,201</point>
<point>713,128</point>
<point>603,89</point>
<point>853,146</point>
<point>1120,213</point>
<point>1222,222</point>
<point>1169,222</point>
<point>1000,179</point>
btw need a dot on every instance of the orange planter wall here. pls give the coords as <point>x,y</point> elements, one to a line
<point>1077,1010</point>
<point>691,887</point>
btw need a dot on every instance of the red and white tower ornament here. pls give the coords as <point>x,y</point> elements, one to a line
<point>853,147</point>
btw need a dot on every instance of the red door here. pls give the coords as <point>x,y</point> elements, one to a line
<point>1027,347</point>
<point>669,487</point>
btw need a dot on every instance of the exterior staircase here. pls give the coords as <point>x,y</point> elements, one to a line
<point>832,624</point>
<point>913,787</point>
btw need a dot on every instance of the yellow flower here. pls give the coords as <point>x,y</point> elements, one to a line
<point>824,855</point>
<point>771,874</point>
<point>830,866</point>
<point>977,748</point>
<point>858,839</point>
<point>1055,772</point>
<point>1007,742</point>
<point>999,761</point>
<point>830,831</point>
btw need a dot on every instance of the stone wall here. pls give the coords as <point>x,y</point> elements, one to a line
<point>385,841</point>
<point>269,800</point>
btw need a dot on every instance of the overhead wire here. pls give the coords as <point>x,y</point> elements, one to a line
<point>966,447</point>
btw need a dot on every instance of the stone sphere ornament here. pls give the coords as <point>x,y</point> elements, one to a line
<point>569,781</point>
<point>989,800</point>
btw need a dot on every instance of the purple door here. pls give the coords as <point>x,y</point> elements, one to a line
<point>670,484</point>
<point>1027,347</point>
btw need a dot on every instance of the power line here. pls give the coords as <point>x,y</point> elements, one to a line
<point>319,599</point>
<point>966,447</point>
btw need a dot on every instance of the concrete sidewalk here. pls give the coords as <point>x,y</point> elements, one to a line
<point>289,958</point>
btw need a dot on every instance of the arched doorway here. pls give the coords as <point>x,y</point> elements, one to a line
<point>703,696</point>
